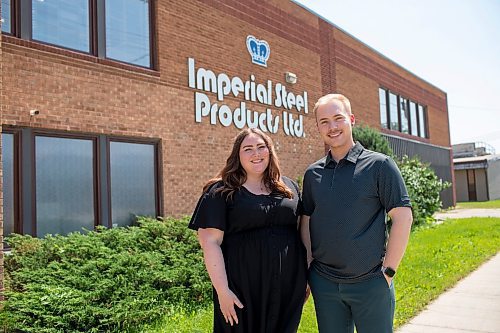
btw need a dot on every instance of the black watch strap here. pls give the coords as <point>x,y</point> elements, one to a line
<point>390,272</point>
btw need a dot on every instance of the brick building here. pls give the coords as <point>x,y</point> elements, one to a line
<point>128,108</point>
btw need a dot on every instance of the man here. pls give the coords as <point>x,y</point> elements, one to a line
<point>346,196</point>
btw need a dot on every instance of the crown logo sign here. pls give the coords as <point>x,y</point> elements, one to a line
<point>259,50</point>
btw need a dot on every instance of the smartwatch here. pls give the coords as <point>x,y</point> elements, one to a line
<point>388,271</point>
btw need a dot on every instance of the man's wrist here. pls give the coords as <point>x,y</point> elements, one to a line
<point>388,271</point>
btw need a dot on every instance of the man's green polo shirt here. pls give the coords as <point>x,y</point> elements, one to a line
<point>347,203</point>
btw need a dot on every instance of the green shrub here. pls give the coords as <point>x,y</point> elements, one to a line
<point>372,139</point>
<point>300,181</point>
<point>110,280</point>
<point>423,187</point>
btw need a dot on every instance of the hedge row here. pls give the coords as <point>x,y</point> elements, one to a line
<point>109,280</point>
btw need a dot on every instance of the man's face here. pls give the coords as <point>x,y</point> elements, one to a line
<point>335,124</point>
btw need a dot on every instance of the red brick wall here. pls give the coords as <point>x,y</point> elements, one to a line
<point>76,92</point>
<point>363,94</point>
<point>327,53</point>
<point>1,170</point>
<point>360,71</point>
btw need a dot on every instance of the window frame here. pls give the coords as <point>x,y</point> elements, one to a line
<point>21,27</point>
<point>100,20</point>
<point>411,129</point>
<point>95,163</point>
<point>425,124</point>
<point>397,112</point>
<point>17,204</point>
<point>405,101</point>
<point>399,126</point>
<point>156,163</point>
<point>25,174</point>
<point>13,20</point>
<point>90,31</point>
<point>386,96</point>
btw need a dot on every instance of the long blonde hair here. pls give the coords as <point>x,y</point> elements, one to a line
<point>233,176</point>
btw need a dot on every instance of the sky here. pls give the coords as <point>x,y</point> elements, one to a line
<point>452,44</point>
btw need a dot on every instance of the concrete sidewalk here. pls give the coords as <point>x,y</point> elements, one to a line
<point>473,305</point>
<point>464,213</point>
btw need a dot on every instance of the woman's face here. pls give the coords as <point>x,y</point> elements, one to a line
<point>254,155</point>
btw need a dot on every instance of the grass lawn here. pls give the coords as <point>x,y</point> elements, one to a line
<point>436,258</point>
<point>440,256</point>
<point>481,204</point>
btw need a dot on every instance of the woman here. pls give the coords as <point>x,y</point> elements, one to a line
<point>247,227</point>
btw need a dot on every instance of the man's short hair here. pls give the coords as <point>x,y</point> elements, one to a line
<point>337,97</point>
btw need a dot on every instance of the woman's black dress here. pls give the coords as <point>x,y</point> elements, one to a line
<point>264,257</point>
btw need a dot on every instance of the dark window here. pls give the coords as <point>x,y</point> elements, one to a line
<point>6,19</point>
<point>403,115</point>
<point>127,31</point>
<point>471,184</point>
<point>133,187</point>
<point>382,94</point>
<point>393,114</point>
<point>113,29</point>
<point>62,22</point>
<point>421,121</point>
<point>413,119</point>
<point>403,108</point>
<point>8,182</point>
<point>64,185</point>
<point>74,182</point>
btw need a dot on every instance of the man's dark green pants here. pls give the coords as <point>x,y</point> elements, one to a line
<point>339,306</point>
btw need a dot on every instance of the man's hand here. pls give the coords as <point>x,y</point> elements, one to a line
<point>388,279</point>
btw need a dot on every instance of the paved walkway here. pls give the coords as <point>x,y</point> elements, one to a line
<point>463,213</point>
<point>473,305</point>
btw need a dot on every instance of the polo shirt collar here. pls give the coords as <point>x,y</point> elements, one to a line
<point>352,155</point>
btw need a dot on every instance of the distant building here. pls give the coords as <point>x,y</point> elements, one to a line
<point>477,172</point>
<point>472,149</point>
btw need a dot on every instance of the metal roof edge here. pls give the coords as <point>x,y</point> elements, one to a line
<point>415,141</point>
<point>482,158</point>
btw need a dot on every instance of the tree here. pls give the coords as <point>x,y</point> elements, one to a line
<point>372,139</point>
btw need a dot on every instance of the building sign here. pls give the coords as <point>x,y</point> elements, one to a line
<point>210,85</point>
<point>259,50</point>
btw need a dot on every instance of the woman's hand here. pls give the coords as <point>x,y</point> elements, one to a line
<point>227,300</point>
<point>210,241</point>
<point>308,293</point>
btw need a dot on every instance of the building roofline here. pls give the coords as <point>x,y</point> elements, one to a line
<point>368,46</point>
<point>483,158</point>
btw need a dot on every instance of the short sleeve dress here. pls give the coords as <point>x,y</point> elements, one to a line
<point>263,254</point>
